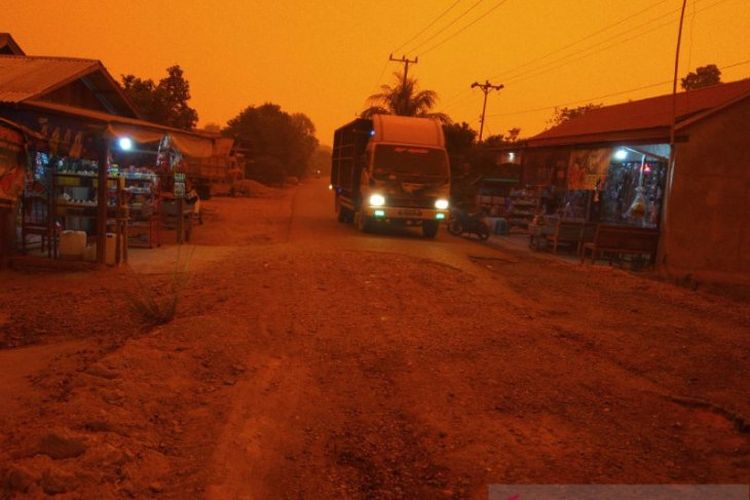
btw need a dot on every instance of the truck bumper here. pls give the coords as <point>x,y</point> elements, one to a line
<point>405,214</point>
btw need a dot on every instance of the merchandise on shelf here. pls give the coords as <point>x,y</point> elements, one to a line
<point>522,206</point>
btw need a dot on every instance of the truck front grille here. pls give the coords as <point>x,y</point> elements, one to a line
<point>411,202</point>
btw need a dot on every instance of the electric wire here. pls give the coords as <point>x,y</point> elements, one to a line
<point>612,94</point>
<point>620,21</point>
<point>583,39</point>
<point>447,26</point>
<point>589,52</point>
<point>430,25</point>
<point>457,98</point>
<point>461,30</point>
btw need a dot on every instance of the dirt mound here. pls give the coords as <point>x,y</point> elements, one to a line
<point>249,187</point>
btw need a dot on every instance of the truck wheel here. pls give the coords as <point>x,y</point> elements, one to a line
<point>455,227</point>
<point>364,223</point>
<point>344,215</point>
<point>430,228</point>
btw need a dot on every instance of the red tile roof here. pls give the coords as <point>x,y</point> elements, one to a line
<point>641,120</point>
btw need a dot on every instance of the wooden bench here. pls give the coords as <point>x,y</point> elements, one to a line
<point>576,233</point>
<point>622,240</point>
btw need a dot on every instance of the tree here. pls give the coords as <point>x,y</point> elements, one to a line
<point>565,114</point>
<point>212,127</point>
<point>459,138</point>
<point>166,102</point>
<point>278,144</point>
<point>405,99</point>
<point>704,76</point>
<point>513,135</point>
<point>498,140</point>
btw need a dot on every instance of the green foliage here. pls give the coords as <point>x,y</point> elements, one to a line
<point>704,76</point>
<point>565,114</point>
<point>459,138</point>
<point>404,98</point>
<point>498,140</point>
<point>166,102</point>
<point>279,144</point>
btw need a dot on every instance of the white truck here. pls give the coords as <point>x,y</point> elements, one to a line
<point>391,170</point>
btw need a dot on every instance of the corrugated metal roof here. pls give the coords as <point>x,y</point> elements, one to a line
<point>647,116</point>
<point>24,77</point>
<point>195,143</point>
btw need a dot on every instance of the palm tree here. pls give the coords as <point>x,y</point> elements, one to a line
<point>404,98</point>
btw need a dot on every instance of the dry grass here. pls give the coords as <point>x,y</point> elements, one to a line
<point>154,306</point>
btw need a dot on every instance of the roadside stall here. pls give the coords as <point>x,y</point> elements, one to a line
<point>140,163</point>
<point>621,185</point>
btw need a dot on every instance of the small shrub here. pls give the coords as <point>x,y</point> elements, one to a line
<point>153,309</point>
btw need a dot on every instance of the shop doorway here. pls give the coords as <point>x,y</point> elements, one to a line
<point>633,192</point>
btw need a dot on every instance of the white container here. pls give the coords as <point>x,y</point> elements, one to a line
<point>72,244</point>
<point>89,255</point>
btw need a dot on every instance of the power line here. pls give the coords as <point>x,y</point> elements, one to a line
<point>552,65</point>
<point>380,76</point>
<point>463,95</point>
<point>587,37</point>
<point>565,60</point>
<point>613,94</point>
<point>590,99</point>
<point>432,23</point>
<point>456,33</point>
<point>442,30</point>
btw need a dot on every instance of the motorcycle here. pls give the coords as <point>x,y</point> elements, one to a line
<point>462,222</point>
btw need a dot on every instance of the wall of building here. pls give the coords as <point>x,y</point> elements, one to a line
<point>542,167</point>
<point>707,232</point>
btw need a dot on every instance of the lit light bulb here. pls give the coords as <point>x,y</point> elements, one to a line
<point>125,143</point>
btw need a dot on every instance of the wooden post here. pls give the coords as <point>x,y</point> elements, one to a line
<point>101,208</point>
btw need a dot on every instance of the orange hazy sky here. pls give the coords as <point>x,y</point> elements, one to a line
<point>325,57</point>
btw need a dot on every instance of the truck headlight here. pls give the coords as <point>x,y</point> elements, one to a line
<point>441,204</point>
<point>377,200</point>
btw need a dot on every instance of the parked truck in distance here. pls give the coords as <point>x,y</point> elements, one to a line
<point>391,170</point>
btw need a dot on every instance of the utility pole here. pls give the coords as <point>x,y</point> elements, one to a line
<point>486,87</point>
<point>663,245</point>
<point>406,62</point>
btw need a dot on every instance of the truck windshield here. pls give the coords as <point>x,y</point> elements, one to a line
<point>409,161</point>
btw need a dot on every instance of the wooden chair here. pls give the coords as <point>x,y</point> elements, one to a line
<point>37,220</point>
<point>622,240</point>
<point>567,232</point>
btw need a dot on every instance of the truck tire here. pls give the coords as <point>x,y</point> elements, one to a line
<point>455,227</point>
<point>345,215</point>
<point>364,223</point>
<point>430,228</point>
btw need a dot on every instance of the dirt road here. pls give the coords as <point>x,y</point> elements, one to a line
<point>307,360</point>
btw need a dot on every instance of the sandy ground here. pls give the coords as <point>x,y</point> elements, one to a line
<point>306,360</point>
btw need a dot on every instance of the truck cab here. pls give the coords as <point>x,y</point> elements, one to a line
<point>391,170</point>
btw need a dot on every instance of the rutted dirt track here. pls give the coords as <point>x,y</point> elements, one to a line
<point>310,361</point>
